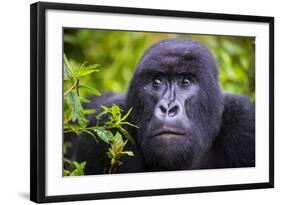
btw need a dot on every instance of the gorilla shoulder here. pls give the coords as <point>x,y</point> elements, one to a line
<point>237,135</point>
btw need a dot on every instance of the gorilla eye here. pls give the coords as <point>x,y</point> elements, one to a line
<point>156,82</point>
<point>185,82</point>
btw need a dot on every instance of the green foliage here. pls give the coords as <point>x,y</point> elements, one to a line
<point>76,168</point>
<point>236,59</point>
<point>115,152</point>
<point>116,120</point>
<point>73,101</point>
<point>75,119</point>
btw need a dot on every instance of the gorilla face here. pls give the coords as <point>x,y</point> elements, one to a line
<point>177,103</point>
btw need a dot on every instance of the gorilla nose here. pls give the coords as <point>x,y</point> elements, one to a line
<point>173,111</point>
<point>165,109</point>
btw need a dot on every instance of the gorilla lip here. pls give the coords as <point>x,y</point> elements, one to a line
<point>167,131</point>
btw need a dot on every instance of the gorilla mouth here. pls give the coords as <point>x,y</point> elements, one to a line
<point>167,131</point>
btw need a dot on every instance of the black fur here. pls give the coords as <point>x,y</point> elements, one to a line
<point>212,129</point>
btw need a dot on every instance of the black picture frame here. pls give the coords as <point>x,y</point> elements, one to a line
<point>38,100</point>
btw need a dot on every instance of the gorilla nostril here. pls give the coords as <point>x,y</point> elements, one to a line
<point>163,109</point>
<point>173,111</point>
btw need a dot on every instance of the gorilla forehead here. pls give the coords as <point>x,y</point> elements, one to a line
<point>178,54</point>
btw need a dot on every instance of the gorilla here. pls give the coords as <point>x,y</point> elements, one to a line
<point>185,120</point>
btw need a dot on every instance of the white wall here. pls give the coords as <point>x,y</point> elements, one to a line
<point>14,100</point>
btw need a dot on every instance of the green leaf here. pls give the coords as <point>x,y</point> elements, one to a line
<point>104,135</point>
<point>68,67</point>
<point>74,173</point>
<point>83,65</point>
<point>66,73</point>
<point>79,169</point>
<point>84,100</point>
<point>66,114</point>
<point>84,71</point>
<point>92,90</point>
<point>117,145</point>
<point>128,153</point>
<point>73,127</point>
<point>117,138</point>
<point>110,153</point>
<point>116,112</point>
<point>76,164</point>
<point>93,66</point>
<point>105,108</point>
<point>127,114</point>
<point>126,134</point>
<point>89,111</point>
<point>118,148</point>
<point>66,172</point>
<point>73,101</point>
<point>130,124</point>
<point>83,164</point>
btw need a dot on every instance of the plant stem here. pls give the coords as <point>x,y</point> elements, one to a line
<point>110,169</point>
<point>72,87</point>
<point>89,128</point>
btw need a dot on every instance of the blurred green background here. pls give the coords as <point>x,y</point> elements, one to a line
<point>118,52</point>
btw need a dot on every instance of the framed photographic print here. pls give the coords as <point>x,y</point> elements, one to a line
<point>129,102</point>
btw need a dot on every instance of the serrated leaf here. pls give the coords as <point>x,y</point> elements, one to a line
<point>73,101</point>
<point>68,66</point>
<point>84,71</point>
<point>104,135</point>
<point>66,73</point>
<point>91,90</point>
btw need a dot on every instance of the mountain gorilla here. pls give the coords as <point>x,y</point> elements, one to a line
<point>185,121</point>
